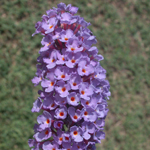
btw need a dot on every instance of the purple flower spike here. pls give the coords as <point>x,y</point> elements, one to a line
<point>74,90</point>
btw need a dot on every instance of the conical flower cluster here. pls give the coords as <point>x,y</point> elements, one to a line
<point>74,90</point>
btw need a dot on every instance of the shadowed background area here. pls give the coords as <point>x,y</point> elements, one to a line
<point>122,29</point>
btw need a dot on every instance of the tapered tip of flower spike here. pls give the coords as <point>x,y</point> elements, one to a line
<point>74,89</point>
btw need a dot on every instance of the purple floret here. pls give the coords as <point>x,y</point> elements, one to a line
<point>49,26</point>
<point>75,115</point>
<point>44,120</point>
<point>37,105</point>
<point>49,146</point>
<point>62,88</point>
<point>43,135</point>
<point>62,73</point>
<point>76,133</point>
<point>72,59</point>
<point>51,62</point>
<point>49,84</point>
<point>85,90</point>
<point>73,45</point>
<point>47,41</point>
<point>73,99</point>
<point>61,113</point>
<point>66,35</point>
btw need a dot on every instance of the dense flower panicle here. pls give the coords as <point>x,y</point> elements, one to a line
<point>74,89</point>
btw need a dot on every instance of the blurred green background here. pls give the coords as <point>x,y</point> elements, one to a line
<point>122,28</point>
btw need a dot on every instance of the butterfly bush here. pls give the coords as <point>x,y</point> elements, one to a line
<point>74,89</point>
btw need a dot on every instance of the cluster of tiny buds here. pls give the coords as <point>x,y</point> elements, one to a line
<point>74,89</point>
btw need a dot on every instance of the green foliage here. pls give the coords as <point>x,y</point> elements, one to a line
<point>123,34</point>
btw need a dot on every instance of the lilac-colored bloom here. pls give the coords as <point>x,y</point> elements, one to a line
<point>61,113</point>
<point>61,58</point>
<point>73,45</point>
<point>89,114</point>
<point>100,72</point>
<point>37,105</point>
<point>44,120</point>
<point>66,35</point>
<point>92,103</point>
<point>38,28</point>
<point>100,109</point>
<point>73,99</point>
<point>75,133</point>
<point>85,91</point>
<point>67,146</point>
<point>35,144</point>
<point>66,137</point>
<point>49,84</point>
<point>88,127</point>
<point>62,88</point>
<point>75,115</point>
<point>99,123</point>
<point>59,137</point>
<point>73,10</point>
<point>49,146</point>
<point>49,25</point>
<point>75,81</point>
<point>78,145</point>
<point>65,18</point>
<point>43,135</point>
<point>60,101</point>
<point>62,73</point>
<point>47,41</point>
<point>72,59</point>
<point>84,68</point>
<point>38,79</point>
<point>51,62</point>
<point>49,103</point>
<point>58,124</point>
<point>98,136</point>
<point>61,7</point>
<point>57,33</point>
